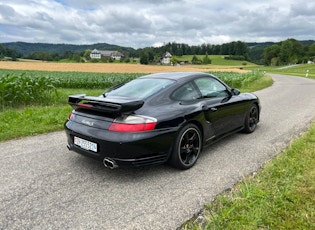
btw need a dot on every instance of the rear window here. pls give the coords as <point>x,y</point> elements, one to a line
<point>141,88</point>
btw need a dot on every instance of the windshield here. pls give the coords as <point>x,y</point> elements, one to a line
<point>141,88</point>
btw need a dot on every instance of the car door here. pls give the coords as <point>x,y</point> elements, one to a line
<point>221,108</point>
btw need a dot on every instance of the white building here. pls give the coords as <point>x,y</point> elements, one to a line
<point>97,54</point>
<point>166,58</point>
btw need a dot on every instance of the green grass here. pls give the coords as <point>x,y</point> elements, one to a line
<point>258,84</point>
<point>246,82</point>
<point>280,196</point>
<point>217,60</point>
<point>38,119</point>
<point>32,120</point>
<point>299,70</point>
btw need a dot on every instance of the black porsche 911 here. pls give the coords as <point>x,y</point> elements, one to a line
<point>158,118</point>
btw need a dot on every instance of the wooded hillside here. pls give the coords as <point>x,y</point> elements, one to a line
<point>285,52</point>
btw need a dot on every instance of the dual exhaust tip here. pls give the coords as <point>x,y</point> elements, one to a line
<point>110,163</point>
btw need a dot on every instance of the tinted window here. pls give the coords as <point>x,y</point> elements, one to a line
<point>210,87</point>
<point>141,88</point>
<point>186,92</point>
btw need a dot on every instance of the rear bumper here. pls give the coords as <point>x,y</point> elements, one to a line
<point>126,149</point>
<point>134,162</point>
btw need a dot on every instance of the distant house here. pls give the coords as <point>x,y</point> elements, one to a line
<point>166,58</point>
<point>97,54</point>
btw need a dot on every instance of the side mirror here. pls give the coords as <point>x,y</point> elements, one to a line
<point>235,92</point>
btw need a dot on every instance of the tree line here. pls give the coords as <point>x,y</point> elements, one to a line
<point>289,52</point>
<point>9,53</point>
<point>285,52</point>
<point>237,49</point>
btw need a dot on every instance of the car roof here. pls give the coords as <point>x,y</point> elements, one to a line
<point>176,75</point>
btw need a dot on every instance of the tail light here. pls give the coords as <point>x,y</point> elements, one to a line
<point>133,123</point>
<point>71,116</point>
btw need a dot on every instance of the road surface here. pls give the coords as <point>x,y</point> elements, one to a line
<point>44,186</point>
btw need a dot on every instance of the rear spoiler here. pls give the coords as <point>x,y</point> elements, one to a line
<point>113,105</point>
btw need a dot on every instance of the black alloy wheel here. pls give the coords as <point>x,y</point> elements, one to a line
<point>251,119</point>
<point>187,147</point>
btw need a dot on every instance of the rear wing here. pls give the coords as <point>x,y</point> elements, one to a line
<point>112,105</point>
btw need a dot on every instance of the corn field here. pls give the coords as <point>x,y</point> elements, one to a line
<point>237,80</point>
<point>24,89</point>
<point>19,88</point>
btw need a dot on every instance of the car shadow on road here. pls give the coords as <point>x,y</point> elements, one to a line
<point>90,166</point>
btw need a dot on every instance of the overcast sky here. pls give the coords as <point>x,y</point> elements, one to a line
<point>143,23</point>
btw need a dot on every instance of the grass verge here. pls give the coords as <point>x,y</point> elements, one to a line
<point>258,84</point>
<point>294,70</point>
<point>33,120</point>
<point>280,196</point>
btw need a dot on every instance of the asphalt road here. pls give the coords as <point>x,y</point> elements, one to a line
<point>44,186</point>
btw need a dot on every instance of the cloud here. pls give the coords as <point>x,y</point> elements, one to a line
<point>141,23</point>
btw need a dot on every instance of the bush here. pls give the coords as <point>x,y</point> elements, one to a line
<point>235,57</point>
<point>206,60</point>
<point>196,61</point>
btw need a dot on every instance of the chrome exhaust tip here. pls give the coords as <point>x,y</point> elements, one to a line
<point>68,147</point>
<point>109,163</point>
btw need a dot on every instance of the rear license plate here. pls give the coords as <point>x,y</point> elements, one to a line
<point>84,144</point>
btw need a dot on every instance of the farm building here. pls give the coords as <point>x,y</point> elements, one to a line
<point>97,54</point>
<point>166,58</point>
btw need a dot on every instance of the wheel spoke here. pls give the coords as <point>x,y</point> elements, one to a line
<point>195,150</point>
<point>185,154</point>
<point>192,138</point>
<point>186,138</point>
<point>184,157</point>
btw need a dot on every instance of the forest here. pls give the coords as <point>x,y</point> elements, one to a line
<point>286,52</point>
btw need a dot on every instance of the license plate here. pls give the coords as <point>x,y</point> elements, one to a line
<point>84,144</point>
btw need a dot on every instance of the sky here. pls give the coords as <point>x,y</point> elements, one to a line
<point>145,23</point>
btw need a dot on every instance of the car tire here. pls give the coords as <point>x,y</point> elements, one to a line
<point>187,147</point>
<point>251,119</point>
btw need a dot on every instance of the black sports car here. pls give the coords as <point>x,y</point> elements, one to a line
<point>158,118</point>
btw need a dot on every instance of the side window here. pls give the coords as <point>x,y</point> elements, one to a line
<point>186,92</point>
<point>210,87</point>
